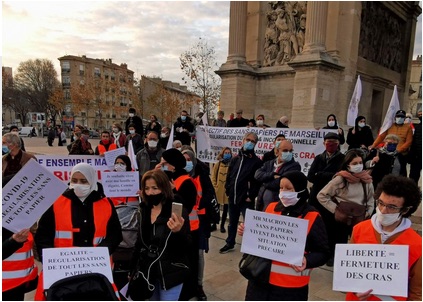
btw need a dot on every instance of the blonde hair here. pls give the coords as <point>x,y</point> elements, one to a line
<point>393,137</point>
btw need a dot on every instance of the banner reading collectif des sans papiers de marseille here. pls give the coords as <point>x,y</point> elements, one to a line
<point>307,143</point>
<point>61,165</point>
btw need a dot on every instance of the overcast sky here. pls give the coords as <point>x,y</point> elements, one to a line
<point>148,36</point>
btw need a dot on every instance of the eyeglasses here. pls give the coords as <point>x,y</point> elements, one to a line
<point>390,207</point>
<point>286,150</point>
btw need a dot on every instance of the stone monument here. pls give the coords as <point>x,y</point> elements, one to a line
<point>301,59</point>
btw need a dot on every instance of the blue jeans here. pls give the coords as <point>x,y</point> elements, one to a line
<point>172,294</point>
<point>235,210</point>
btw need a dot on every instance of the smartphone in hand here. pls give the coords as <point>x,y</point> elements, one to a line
<point>177,208</point>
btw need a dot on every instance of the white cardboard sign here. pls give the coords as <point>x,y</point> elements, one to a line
<point>381,267</point>
<point>118,184</point>
<point>59,263</point>
<point>28,195</point>
<point>111,155</point>
<point>276,237</point>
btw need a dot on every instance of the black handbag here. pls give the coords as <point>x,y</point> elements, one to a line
<point>255,268</point>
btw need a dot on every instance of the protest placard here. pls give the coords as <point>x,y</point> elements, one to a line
<point>61,165</point>
<point>276,237</point>
<point>118,184</point>
<point>28,195</point>
<point>59,263</point>
<point>381,267</point>
<point>111,155</point>
<point>307,143</point>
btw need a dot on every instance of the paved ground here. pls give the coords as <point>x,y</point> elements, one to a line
<point>222,281</point>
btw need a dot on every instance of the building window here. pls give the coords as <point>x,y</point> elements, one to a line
<point>97,73</point>
<point>65,66</point>
<point>81,69</point>
<point>66,81</point>
<point>67,94</point>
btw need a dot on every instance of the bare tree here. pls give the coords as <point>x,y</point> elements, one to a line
<point>199,64</point>
<point>36,80</point>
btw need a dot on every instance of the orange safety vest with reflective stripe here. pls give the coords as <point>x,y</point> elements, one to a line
<point>130,201</point>
<point>62,209</point>
<point>194,221</point>
<point>19,267</point>
<point>364,233</point>
<point>281,274</point>
<point>102,149</point>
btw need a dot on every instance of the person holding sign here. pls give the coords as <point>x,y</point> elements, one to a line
<point>163,242</point>
<point>353,185</point>
<point>397,197</point>
<point>123,164</point>
<point>290,282</point>
<point>81,217</point>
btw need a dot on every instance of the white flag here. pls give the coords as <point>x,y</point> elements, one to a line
<point>170,141</point>
<point>355,99</point>
<point>131,155</point>
<point>392,110</point>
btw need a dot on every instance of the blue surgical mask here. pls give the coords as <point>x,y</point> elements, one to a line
<point>227,156</point>
<point>183,117</point>
<point>399,120</point>
<point>165,168</point>
<point>248,146</point>
<point>5,149</point>
<point>286,156</point>
<point>189,166</point>
<point>277,144</point>
<point>391,147</point>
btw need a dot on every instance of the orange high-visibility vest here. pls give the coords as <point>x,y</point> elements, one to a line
<point>62,209</point>
<point>19,267</point>
<point>130,201</point>
<point>281,274</point>
<point>194,221</point>
<point>102,149</point>
<point>364,233</point>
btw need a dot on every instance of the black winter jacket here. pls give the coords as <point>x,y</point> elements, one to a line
<point>416,146</point>
<point>184,136</point>
<point>362,136</point>
<point>240,182</point>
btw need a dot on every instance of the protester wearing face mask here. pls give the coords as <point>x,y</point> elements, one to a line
<point>135,138</point>
<point>359,136</point>
<point>285,282</point>
<point>149,156</point>
<point>105,144</point>
<point>272,154</point>
<point>200,223</point>
<point>183,128</point>
<point>405,134</point>
<point>271,172</point>
<point>136,121</point>
<point>123,164</point>
<point>80,217</point>
<point>218,178</point>
<point>282,122</point>
<point>164,137</point>
<point>163,233</point>
<point>81,145</point>
<point>260,121</point>
<point>15,130</point>
<point>241,186</point>
<point>384,160</point>
<point>397,198</point>
<point>14,158</point>
<point>118,137</point>
<point>332,123</point>
<point>350,184</point>
<point>415,155</point>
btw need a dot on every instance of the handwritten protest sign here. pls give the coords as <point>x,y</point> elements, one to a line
<point>275,237</point>
<point>307,143</point>
<point>381,267</point>
<point>61,165</point>
<point>111,155</point>
<point>117,184</point>
<point>28,195</point>
<point>59,263</point>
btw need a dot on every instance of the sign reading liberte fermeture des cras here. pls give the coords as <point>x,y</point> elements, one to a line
<point>59,263</point>
<point>275,237</point>
<point>381,267</point>
<point>28,195</point>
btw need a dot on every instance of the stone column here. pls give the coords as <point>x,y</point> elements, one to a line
<point>237,31</point>
<point>315,35</point>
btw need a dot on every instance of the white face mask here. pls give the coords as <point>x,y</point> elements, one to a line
<point>331,123</point>
<point>131,131</point>
<point>81,191</point>
<point>163,135</point>
<point>259,123</point>
<point>407,120</point>
<point>152,144</point>
<point>288,198</point>
<point>361,125</point>
<point>399,120</point>
<point>179,149</point>
<point>120,167</point>
<point>387,219</point>
<point>131,115</point>
<point>356,168</point>
<point>115,130</point>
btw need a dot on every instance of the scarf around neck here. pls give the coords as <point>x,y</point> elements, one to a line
<point>362,176</point>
